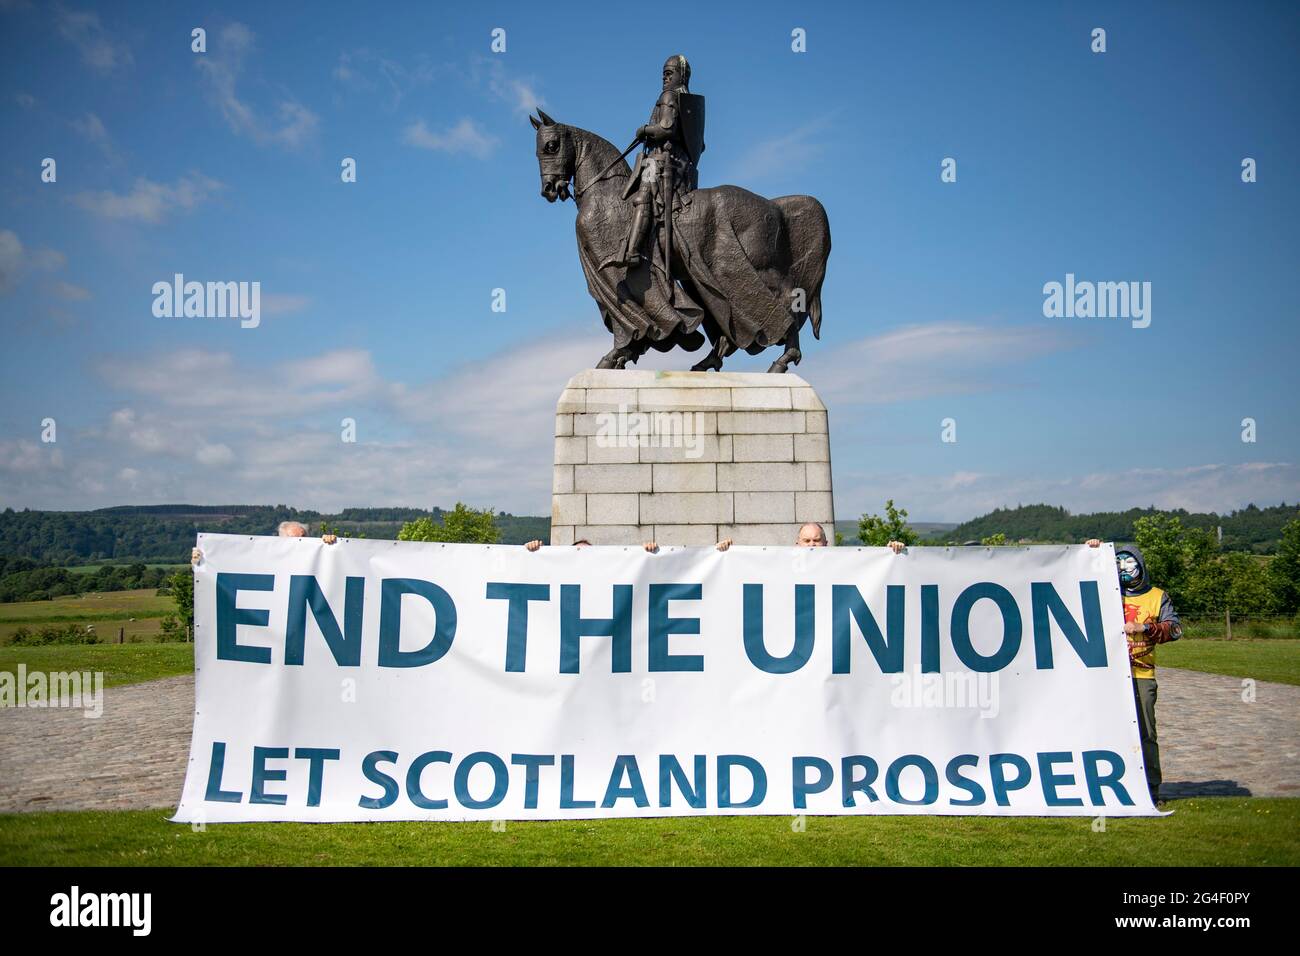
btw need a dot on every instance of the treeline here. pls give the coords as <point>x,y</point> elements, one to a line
<point>165,533</point>
<point>1252,529</point>
<point>1201,576</point>
<point>22,579</point>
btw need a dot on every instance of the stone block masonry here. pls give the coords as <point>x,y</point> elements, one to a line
<point>689,458</point>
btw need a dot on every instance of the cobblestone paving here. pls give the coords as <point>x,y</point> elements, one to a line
<point>1212,743</point>
<point>130,758</point>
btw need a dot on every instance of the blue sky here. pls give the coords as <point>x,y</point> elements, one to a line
<point>1115,166</point>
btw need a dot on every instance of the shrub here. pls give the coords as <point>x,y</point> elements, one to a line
<point>54,634</point>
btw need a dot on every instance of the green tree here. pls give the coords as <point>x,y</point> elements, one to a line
<point>181,585</point>
<point>1160,537</point>
<point>877,532</point>
<point>327,528</point>
<point>462,525</point>
<point>1284,570</point>
<point>998,540</point>
<point>1180,560</point>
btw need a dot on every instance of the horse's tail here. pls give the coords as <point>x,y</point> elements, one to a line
<point>810,246</point>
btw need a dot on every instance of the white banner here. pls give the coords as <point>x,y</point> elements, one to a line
<point>381,680</point>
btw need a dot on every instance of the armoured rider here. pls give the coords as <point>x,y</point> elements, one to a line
<point>673,141</point>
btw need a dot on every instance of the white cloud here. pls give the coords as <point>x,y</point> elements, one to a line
<point>520,93</point>
<point>149,201</point>
<point>464,137</point>
<point>214,455</point>
<point>224,387</point>
<point>207,426</point>
<point>91,127</point>
<point>69,292</point>
<point>365,71</point>
<point>959,496</point>
<point>274,303</point>
<point>28,457</point>
<point>17,261</point>
<point>222,68</point>
<point>271,432</point>
<point>98,49</point>
<point>781,155</point>
<point>937,358</point>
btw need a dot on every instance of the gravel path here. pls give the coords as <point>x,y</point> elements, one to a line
<point>1212,743</point>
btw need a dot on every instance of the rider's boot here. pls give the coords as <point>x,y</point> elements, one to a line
<point>635,238</point>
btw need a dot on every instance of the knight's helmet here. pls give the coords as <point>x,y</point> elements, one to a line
<point>683,68</point>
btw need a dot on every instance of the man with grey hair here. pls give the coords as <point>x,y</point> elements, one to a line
<point>286,529</point>
<point>296,529</point>
<point>813,535</point>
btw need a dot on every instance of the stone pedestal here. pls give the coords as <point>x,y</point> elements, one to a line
<point>689,458</point>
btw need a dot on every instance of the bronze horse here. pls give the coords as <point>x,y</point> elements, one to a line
<point>745,271</point>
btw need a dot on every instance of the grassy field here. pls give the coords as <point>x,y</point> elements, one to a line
<point>1201,832</point>
<point>1215,627</point>
<point>1272,659</point>
<point>139,613</point>
<point>120,663</point>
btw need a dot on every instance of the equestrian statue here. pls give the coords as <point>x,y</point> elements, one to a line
<point>670,264</point>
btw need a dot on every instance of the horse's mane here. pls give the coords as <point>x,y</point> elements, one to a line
<point>599,153</point>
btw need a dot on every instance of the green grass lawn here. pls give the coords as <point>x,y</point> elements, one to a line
<point>1202,832</point>
<point>120,663</point>
<point>1273,659</point>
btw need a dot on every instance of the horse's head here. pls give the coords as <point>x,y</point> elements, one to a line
<point>556,156</point>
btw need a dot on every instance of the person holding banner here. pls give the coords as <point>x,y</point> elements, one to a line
<point>584,543</point>
<point>1149,619</point>
<point>811,535</point>
<point>286,529</point>
<point>296,529</point>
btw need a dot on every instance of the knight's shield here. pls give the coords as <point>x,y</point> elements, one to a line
<point>691,117</point>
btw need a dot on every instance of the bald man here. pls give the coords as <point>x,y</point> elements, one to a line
<point>286,529</point>
<point>813,535</point>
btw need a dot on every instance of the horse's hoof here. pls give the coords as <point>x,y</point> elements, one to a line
<point>707,365</point>
<point>783,363</point>
<point>614,358</point>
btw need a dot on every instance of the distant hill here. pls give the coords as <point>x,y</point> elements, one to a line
<point>166,532</point>
<point>928,530</point>
<point>1250,529</point>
